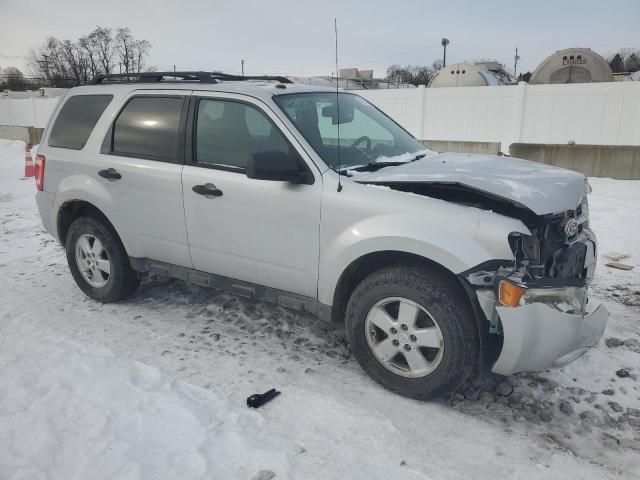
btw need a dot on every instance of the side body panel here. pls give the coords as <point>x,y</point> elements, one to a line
<point>364,219</point>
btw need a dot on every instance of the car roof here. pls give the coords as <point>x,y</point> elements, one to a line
<point>260,89</point>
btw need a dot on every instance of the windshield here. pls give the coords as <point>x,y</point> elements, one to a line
<point>368,138</point>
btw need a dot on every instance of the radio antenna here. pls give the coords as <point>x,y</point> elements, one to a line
<point>335,27</point>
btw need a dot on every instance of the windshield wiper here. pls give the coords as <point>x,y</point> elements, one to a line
<point>371,166</point>
<point>374,165</point>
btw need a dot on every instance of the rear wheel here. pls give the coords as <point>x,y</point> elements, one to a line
<point>412,331</point>
<point>98,261</point>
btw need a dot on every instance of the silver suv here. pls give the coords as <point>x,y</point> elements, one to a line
<point>317,201</point>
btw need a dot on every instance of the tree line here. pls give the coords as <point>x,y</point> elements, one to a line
<point>627,60</point>
<point>412,74</point>
<point>103,50</point>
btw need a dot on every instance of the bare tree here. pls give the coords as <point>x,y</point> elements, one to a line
<point>76,61</point>
<point>48,63</point>
<point>102,38</point>
<point>125,49</point>
<point>141,51</point>
<point>89,45</point>
<point>68,63</point>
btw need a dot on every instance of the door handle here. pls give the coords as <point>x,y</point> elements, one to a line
<point>208,190</point>
<point>110,174</point>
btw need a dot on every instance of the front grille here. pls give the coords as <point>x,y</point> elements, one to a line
<point>581,215</point>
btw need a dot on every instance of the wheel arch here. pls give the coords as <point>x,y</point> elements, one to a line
<point>366,264</point>
<point>71,210</point>
<point>370,262</point>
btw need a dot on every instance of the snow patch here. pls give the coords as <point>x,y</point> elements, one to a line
<point>155,387</point>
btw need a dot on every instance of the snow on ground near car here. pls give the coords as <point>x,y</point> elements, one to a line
<point>155,387</point>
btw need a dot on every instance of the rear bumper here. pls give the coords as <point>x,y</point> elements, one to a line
<point>45,202</point>
<point>537,336</point>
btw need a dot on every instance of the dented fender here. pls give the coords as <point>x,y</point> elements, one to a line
<point>455,236</point>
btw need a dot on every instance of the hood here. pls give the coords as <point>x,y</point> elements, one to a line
<point>541,188</point>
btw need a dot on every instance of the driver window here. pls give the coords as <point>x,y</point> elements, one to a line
<point>228,133</point>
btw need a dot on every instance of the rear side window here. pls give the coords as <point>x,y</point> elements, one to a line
<point>148,127</point>
<point>76,120</point>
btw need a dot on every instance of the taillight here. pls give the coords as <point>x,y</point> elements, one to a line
<point>40,161</point>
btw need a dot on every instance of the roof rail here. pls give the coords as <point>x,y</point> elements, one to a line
<point>177,77</point>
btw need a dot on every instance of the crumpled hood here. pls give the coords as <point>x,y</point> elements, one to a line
<point>541,188</point>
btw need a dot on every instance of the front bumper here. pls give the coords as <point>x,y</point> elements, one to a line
<point>537,336</point>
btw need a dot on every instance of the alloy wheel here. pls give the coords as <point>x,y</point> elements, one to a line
<point>404,337</point>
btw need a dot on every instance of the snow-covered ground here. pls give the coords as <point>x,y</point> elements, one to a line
<point>155,387</point>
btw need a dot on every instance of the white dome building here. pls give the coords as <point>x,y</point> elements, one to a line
<point>479,74</point>
<point>572,65</point>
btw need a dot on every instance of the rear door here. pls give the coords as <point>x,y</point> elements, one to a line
<point>259,231</point>
<point>140,164</point>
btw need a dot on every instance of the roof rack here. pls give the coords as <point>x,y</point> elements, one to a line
<point>178,77</point>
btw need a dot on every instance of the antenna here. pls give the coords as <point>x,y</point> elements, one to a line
<point>335,27</point>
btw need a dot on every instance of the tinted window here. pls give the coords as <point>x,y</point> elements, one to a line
<point>228,133</point>
<point>76,120</point>
<point>148,127</point>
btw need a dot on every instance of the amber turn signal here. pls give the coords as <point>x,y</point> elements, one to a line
<point>510,294</point>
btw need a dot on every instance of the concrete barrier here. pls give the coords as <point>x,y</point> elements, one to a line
<point>487,148</point>
<point>30,135</point>
<point>621,162</point>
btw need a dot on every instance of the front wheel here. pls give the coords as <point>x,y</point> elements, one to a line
<point>412,330</point>
<point>98,261</point>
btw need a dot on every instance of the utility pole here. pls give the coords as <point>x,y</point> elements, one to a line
<point>445,42</point>
<point>242,66</point>
<point>516,57</point>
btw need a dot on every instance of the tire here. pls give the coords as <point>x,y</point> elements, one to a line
<point>444,332</point>
<point>86,254</point>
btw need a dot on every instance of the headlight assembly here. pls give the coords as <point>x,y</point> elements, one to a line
<point>570,300</point>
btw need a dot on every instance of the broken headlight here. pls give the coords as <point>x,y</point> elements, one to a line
<point>571,300</point>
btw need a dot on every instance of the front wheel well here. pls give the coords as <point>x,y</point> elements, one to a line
<point>362,267</point>
<point>75,209</point>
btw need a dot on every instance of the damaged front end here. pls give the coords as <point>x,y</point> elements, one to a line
<point>535,302</point>
<point>538,304</point>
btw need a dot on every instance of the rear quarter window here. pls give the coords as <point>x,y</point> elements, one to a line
<point>148,127</point>
<point>76,120</point>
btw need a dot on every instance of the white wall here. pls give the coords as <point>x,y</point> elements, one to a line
<point>588,114</point>
<point>27,112</point>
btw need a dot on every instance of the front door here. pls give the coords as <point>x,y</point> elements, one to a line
<point>258,231</point>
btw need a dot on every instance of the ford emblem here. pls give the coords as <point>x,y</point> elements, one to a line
<point>571,227</point>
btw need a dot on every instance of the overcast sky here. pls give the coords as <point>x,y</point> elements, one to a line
<point>296,36</point>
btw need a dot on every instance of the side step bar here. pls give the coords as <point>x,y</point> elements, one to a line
<point>282,298</point>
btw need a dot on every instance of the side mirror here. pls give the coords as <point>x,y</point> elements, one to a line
<point>278,166</point>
